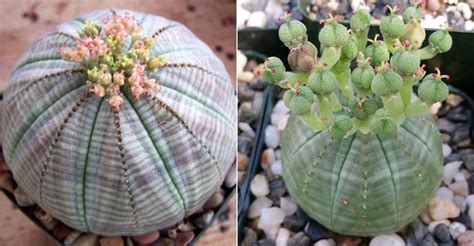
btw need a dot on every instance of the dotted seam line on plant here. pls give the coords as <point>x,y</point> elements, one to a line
<point>188,129</point>
<point>125,170</point>
<point>322,152</point>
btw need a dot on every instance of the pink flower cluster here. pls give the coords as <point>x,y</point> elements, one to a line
<point>139,82</point>
<point>121,26</point>
<point>85,48</point>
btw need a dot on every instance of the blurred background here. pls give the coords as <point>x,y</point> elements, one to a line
<point>22,21</point>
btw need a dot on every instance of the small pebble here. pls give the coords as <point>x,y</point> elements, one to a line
<point>257,19</point>
<point>215,200</point>
<point>147,238</point>
<point>271,217</point>
<point>184,238</point>
<point>446,150</point>
<point>299,239</point>
<point>257,205</point>
<point>460,202</point>
<point>87,240</point>
<point>243,161</point>
<point>72,237</point>
<point>470,200</point>
<point>246,76</point>
<point>282,237</point>
<point>22,198</point>
<point>456,229</point>
<point>111,241</point>
<point>315,231</point>
<point>277,189</point>
<point>454,100</point>
<point>288,205</point>
<point>6,182</point>
<point>432,225</point>
<point>245,127</point>
<point>441,232</point>
<point>231,178</point>
<point>250,237</point>
<point>267,159</point>
<point>445,192</point>
<point>466,239</point>
<point>272,137</point>
<point>294,223</point>
<point>204,219</point>
<point>259,186</point>
<point>450,170</point>
<point>325,242</point>
<point>271,233</point>
<point>471,216</point>
<point>459,188</point>
<point>442,208</point>
<point>276,168</point>
<point>387,240</point>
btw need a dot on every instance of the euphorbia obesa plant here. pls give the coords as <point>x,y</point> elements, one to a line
<point>119,123</point>
<point>361,154</point>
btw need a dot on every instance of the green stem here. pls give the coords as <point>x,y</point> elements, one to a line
<point>330,56</point>
<point>417,107</point>
<point>392,44</point>
<point>312,120</point>
<point>426,53</point>
<point>336,105</point>
<point>361,39</point>
<point>394,104</point>
<point>324,106</point>
<point>343,78</point>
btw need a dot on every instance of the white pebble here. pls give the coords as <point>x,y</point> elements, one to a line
<point>450,170</point>
<point>245,76</point>
<point>442,208</point>
<point>245,127</point>
<point>272,232</point>
<point>387,240</point>
<point>446,150</point>
<point>282,237</point>
<point>288,205</point>
<point>468,25</point>
<point>255,209</point>
<point>259,186</point>
<point>456,229</point>
<point>272,136</point>
<point>460,202</point>
<point>284,121</point>
<point>280,107</point>
<point>276,168</point>
<point>241,62</point>
<point>271,217</point>
<point>459,188</point>
<point>257,19</point>
<point>459,177</point>
<point>325,242</point>
<point>471,215</point>
<point>231,177</point>
<point>277,117</point>
<point>470,200</point>
<point>445,192</point>
<point>242,17</point>
<point>433,224</point>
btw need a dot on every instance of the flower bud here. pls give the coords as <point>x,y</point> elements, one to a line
<point>383,125</point>
<point>302,58</point>
<point>299,100</point>
<point>113,89</point>
<point>340,126</point>
<point>391,26</point>
<point>360,20</point>
<point>126,63</point>
<point>93,74</point>
<point>273,70</point>
<point>292,33</point>
<point>386,82</point>
<point>441,40</point>
<point>362,76</point>
<point>97,89</point>
<point>322,82</point>
<point>405,62</point>
<point>433,89</point>
<point>378,52</point>
<point>411,12</point>
<point>150,85</point>
<point>119,78</point>
<point>105,77</point>
<point>414,33</point>
<point>333,34</point>
<point>154,62</point>
<point>90,29</point>
<point>116,102</point>
<point>137,90</point>
<point>349,50</point>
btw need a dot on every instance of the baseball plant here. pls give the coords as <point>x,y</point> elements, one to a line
<point>360,153</point>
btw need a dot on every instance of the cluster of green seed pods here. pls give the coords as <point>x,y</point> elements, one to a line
<point>356,83</point>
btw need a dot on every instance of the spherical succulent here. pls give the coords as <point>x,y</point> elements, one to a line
<point>119,122</point>
<point>368,158</point>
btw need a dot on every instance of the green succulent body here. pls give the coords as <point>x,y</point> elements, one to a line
<point>391,26</point>
<point>378,51</point>
<point>322,82</point>
<point>292,33</point>
<point>363,184</point>
<point>433,90</point>
<point>441,40</point>
<point>406,62</point>
<point>333,34</point>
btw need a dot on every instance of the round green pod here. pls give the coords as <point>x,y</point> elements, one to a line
<point>302,58</point>
<point>391,26</point>
<point>411,12</point>
<point>300,100</point>
<point>360,20</point>
<point>378,52</point>
<point>333,34</point>
<point>386,82</point>
<point>322,82</point>
<point>292,33</point>
<point>273,70</point>
<point>441,40</point>
<point>433,89</point>
<point>340,126</point>
<point>405,62</point>
<point>384,127</point>
<point>362,76</point>
<point>414,33</point>
<point>349,50</point>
